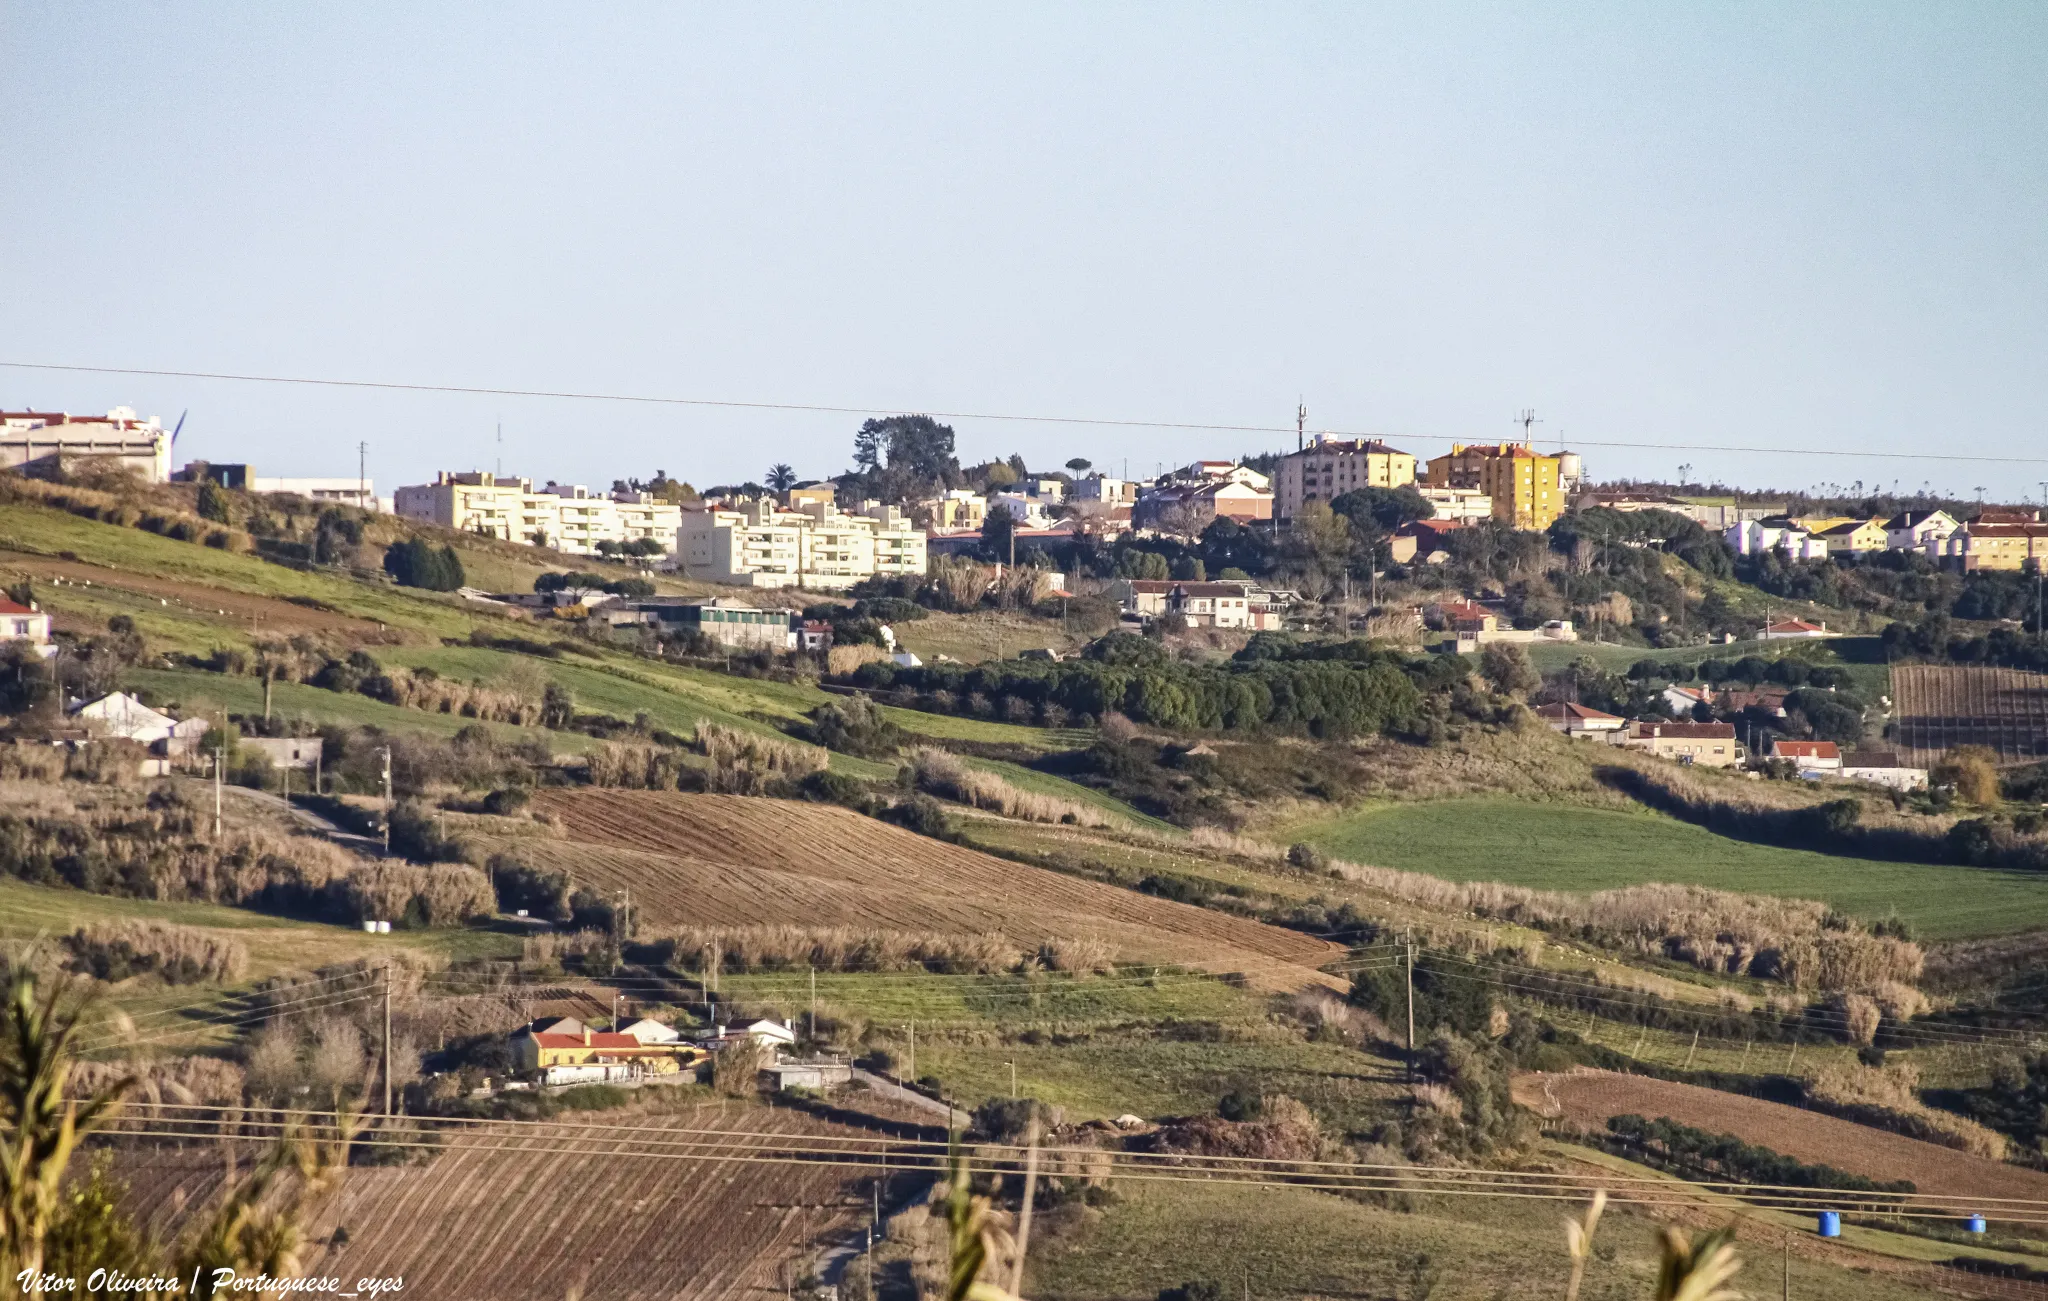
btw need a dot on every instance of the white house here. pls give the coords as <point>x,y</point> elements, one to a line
<point>1794,630</point>
<point>286,751</point>
<point>649,1031</point>
<point>1582,721</point>
<point>1029,512</point>
<point>1754,537</point>
<point>123,717</point>
<point>1681,700</point>
<point>774,1034</point>
<point>1812,758</point>
<point>1884,768</point>
<point>1917,530</point>
<point>27,623</point>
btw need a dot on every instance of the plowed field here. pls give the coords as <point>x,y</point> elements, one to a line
<point>734,860</point>
<point>1590,1097</point>
<point>575,1208</point>
<point>1941,706</point>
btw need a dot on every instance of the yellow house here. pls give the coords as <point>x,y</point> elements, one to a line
<point>538,1052</point>
<point>1525,486</point>
<point>1998,546</point>
<point>1854,535</point>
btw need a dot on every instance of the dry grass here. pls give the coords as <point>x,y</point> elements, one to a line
<point>177,954</point>
<point>942,773</point>
<point>747,763</point>
<point>1890,1097</point>
<point>639,767</point>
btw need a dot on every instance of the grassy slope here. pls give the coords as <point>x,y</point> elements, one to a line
<point>38,530</point>
<point>1277,1241</point>
<point>194,691</point>
<point>1031,779</point>
<point>1566,848</point>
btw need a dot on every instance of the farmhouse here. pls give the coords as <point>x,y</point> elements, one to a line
<point>772,1033</point>
<point>1813,758</point>
<point>570,1058</point>
<point>1794,630</point>
<point>1709,745</point>
<point>1581,721</point>
<point>1203,605</point>
<point>817,1076</point>
<point>1883,767</point>
<point>123,717</point>
<point>26,623</point>
<point>1919,530</point>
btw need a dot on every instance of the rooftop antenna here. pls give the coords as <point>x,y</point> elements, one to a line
<point>1525,420</point>
<point>1300,426</point>
<point>362,474</point>
<point>500,472</point>
<point>180,425</point>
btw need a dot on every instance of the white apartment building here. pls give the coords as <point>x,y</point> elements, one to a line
<point>755,544</point>
<point>32,438</point>
<point>1460,505</point>
<point>571,519</point>
<point>346,492</point>
<point>1029,512</point>
<point>1110,492</point>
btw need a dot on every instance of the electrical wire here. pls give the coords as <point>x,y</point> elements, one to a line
<point>474,390</point>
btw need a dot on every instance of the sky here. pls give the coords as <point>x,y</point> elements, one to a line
<point>1788,226</point>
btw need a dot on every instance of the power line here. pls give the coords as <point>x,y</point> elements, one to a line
<point>477,390</point>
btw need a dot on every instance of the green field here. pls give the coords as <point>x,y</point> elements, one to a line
<point>1560,847</point>
<point>1272,1240</point>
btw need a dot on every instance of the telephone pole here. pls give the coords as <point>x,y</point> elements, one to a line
<point>1411,1007</point>
<point>387,1038</point>
<point>362,475</point>
<point>387,801</point>
<point>220,763</point>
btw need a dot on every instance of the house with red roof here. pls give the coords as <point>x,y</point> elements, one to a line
<point>1708,745</point>
<point>596,1055</point>
<point>1813,758</point>
<point>26,623</point>
<point>1581,721</point>
<point>1794,630</point>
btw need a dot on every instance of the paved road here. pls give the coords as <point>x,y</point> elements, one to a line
<point>310,820</point>
<point>952,1117</point>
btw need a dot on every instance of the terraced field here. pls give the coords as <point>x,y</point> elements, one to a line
<point>733,860</point>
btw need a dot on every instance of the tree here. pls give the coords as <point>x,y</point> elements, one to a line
<point>557,707</point>
<point>415,562</point>
<point>1316,547</point>
<point>918,445</point>
<point>1506,668</point>
<point>215,504</point>
<point>780,477</point>
<point>1387,508</point>
<point>1080,465</point>
<point>998,535</point>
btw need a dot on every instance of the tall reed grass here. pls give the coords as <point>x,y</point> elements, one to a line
<point>942,773</point>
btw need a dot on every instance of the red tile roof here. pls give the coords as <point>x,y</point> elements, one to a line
<point>1566,709</point>
<point>1805,750</point>
<point>598,1039</point>
<point>1793,625</point>
<point>10,607</point>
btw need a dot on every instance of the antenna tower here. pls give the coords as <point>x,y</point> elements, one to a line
<point>1525,420</point>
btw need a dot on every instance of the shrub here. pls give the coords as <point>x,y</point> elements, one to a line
<point>747,763</point>
<point>178,955</point>
<point>942,773</point>
<point>854,726</point>
<point>736,1068</point>
<point>924,815</point>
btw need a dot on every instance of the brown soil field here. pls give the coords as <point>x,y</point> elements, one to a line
<point>1590,1097</point>
<point>737,860</point>
<point>1944,706</point>
<point>478,1224</point>
<point>264,614</point>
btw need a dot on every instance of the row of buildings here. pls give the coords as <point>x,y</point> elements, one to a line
<point>1995,538</point>
<point>1509,482</point>
<point>1715,745</point>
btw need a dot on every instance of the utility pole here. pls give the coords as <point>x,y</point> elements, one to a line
<point>318,755</point>
<point>1013,1079</point>
<point>220,763</point>
<point>387,1038</point>
<point>387,801</point>
<point>362,475</point>
<point>814,1002</point>
<point>913,1050</point>
<point>1411,1006</point>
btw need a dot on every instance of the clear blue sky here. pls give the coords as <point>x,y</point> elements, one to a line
<point>1780,225</point>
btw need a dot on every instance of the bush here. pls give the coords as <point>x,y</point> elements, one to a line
<point>1305,856</point>
<point>853,726</point>
<point>924,815</point>
<point>178,955</point>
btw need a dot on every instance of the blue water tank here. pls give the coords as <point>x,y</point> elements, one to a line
<point>1975,1224</point>
<point>1830,1224</point>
